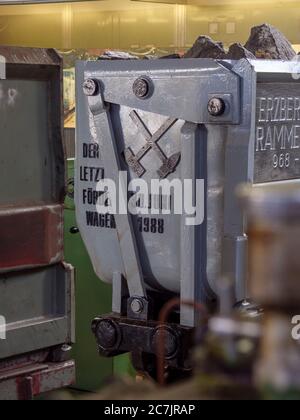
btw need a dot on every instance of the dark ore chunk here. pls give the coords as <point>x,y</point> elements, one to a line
<point>268,42</point>
<point>205,47</point>
<point>171,56</point>
<point>237,52</point>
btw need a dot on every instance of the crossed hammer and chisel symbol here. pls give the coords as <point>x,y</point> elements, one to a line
<point>169,164</point>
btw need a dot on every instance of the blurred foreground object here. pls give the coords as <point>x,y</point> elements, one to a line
<point>274,230</point>
<point>246,354</point>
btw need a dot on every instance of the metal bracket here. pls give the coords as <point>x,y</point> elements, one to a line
<point>138,308</point>
<point>194,285</point>
<point>117,335</point>
<point>124,226</point>
<point>239,169</point>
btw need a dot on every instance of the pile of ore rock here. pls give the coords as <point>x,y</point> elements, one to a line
<point>265,42</point>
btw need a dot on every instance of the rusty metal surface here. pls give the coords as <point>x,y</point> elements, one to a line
<point>35,379</point>
<point>31,236</point>
<point>14,363</point>
<point>21,371</point>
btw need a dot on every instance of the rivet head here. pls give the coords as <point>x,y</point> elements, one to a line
<point>216,107</point>
<point>141,87</point>
<point>90,87</point>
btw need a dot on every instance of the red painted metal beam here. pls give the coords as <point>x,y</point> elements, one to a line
<point>30,236</point>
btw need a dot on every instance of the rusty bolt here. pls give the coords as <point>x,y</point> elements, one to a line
<point>216,107</point>
<point>90,87</point>
<point>141,87</point>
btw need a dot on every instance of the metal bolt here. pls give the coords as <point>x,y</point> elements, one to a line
<point>249,308</point>
<point>66,348</point>
<point>137,306</point>
<point>107,334</point>
<point>61,354</point>
<point>169,339</point>
<point>74,230</point>
<point>90,87</point>
<point>216,107</point>
<point>141,87</point>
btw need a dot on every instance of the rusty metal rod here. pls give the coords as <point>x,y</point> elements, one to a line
<point>163,317</point>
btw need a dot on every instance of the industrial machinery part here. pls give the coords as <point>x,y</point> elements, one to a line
<point>36,286</point>
<point>91,371</point>
<point>274,230</point>
<point>224,122</point>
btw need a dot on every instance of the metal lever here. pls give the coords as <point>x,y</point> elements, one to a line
<point>124,226</point>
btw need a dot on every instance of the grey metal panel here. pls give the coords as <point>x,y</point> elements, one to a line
<point>216,149</point>
<point>161,269</point>
<point>37,306</point>
<point>174,261</point>
<point>29,85</point>
<point>109,260</point>
<point>239,164</point>
<point>193,254</point>
<point>206,78</point>
<point>26,161</point>
<point>36,335</point>
<point>270,67</point>
<point>186,261</point>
